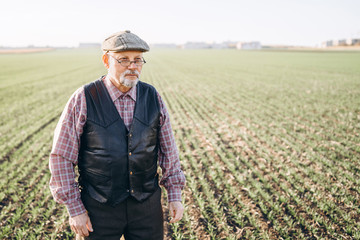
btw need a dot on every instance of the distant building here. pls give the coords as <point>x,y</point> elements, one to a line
<point>163,45</point>
<point>353,41</point>
<point>248,45</point>
<point>89,45</point>
<point>341,42</point>
<point>196,45</point>
<point>230,44</point>
<point>327,44</point>
<point>215,45</point>
<point>222,45</point>
<point>209,45</point>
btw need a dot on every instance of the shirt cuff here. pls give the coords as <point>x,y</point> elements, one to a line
<point>75,208</point>
<point>174,194</point>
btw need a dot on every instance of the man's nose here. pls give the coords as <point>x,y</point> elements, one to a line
<point>132,65</point>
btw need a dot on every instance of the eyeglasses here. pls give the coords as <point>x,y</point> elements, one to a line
<point>127,62</point>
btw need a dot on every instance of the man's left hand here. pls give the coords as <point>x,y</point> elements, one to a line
<point>176,211</point>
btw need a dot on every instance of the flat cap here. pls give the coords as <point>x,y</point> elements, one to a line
<point>124,41</point>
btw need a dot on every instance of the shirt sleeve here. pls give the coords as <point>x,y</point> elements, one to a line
<point>173,179</point>
<point>64,154</point>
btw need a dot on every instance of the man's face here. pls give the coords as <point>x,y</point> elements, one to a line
<point>126,76</point>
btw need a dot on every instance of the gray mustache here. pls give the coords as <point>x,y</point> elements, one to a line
<point>132,72</point>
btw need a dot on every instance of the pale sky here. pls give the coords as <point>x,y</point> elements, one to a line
<point>67,23</point>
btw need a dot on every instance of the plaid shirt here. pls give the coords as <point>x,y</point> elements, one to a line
<point>65,149</point>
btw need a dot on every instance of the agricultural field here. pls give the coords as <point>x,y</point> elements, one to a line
<point>269,140</point>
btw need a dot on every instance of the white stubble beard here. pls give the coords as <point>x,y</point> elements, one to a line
<point>128,82</point>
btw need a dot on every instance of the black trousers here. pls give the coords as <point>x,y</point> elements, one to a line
<point>136,220</point>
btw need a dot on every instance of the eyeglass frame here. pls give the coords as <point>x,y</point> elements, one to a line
<point>129,62</point>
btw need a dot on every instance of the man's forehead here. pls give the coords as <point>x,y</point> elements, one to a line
<point>128,54</point>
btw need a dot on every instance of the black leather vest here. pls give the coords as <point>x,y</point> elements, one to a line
<point>114,162</point>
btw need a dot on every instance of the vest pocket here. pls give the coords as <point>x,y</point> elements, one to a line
<point>97,184</point>
<point>95,177</point>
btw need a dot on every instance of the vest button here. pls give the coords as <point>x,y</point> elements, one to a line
<point>132,191</point>
<point>130,173</point>
<point>130,135</point>
<point>129,153</point>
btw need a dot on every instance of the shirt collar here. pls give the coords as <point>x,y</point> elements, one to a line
<point>116,93</point>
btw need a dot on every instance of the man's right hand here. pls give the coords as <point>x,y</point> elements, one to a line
<point>81,224</point>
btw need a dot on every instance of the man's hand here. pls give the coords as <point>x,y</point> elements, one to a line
<point>81,224</point>
<point>176,211</point>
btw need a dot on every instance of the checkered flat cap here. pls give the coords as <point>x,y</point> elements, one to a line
<point>124,41</point>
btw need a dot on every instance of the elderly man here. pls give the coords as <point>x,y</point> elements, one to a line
<point>117,131</point>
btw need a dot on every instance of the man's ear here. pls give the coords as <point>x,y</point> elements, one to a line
<point>105,59</point>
